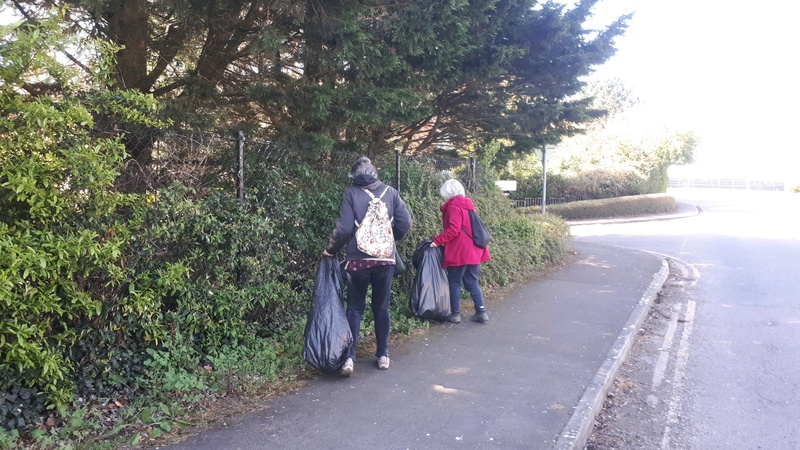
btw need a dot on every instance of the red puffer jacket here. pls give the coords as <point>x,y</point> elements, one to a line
<point>459,250</point>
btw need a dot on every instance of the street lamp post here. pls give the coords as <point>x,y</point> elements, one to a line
<point>543,156</point>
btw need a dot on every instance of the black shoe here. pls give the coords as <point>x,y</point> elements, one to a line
<point>480,317</point>
<point>454,318</point>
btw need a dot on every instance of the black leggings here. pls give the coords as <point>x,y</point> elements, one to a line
<point>380,278</point>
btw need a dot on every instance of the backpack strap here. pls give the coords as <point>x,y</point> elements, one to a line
<point>372,197</point>
<point>381,197</point>
<point>464,229</point>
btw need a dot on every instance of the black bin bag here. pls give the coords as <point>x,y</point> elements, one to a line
<point>327,334</point>
<point>430,295</point>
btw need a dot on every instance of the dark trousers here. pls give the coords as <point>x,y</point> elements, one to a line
<point>468,275</point>
<point>380,278</point>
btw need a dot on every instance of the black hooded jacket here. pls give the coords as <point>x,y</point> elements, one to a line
<point>354,208</point>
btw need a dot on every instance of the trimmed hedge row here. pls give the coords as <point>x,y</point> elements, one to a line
<point>630,206</point>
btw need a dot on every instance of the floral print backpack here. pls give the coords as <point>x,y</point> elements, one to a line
<point>374,236</point>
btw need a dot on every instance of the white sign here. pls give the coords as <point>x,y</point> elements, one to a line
<point>506,185</point>
<point>547,149</point>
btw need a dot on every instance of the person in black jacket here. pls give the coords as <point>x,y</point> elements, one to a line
<point>363,270</point>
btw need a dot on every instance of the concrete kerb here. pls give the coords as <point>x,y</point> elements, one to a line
<point>581,423</point>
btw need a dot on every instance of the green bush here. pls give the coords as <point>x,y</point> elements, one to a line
<point>520,243</point>
<point>558,185</point>
<point>600,183</point>
<point>592,184</point>
<point>62,233</point>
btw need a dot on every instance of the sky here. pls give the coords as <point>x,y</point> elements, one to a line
<point>726,70</point>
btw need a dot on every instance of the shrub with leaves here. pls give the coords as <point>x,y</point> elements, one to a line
<point>520,243</point>
<point>222,266</point>
<point>60,237</point>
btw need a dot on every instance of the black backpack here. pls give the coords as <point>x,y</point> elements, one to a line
<point>480,235</point>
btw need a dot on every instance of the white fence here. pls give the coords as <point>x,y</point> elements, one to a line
<point>726,183</point>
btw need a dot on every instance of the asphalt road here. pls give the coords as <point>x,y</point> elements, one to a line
<point>733,365</point>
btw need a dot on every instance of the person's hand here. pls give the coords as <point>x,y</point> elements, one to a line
<point>433,244</point>
<point>325,253</point>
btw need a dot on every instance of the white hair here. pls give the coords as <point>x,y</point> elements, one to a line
<point>451,188</point>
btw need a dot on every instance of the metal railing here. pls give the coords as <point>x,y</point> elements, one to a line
<point>199,158</point>
<point>537,201</point>
<point>726,183</point>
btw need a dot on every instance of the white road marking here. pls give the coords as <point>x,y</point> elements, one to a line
<point>666,346</point>
<point>681,360</point>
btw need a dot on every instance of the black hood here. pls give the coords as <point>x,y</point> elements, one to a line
<point>364,179</point>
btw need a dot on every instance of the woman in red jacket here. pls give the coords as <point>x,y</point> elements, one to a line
<point>462,259</point>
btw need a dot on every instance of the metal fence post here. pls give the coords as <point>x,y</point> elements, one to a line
<point>240,166</point>
<point>472,174</point>
<point>544,179</point>
<point>397,170</point>
<point>239,192</point>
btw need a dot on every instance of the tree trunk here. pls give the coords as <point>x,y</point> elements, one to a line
<point>128,26</point>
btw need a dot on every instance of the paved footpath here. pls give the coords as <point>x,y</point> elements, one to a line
<point>533,377</point>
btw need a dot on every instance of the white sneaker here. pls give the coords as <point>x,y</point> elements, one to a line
<point>383,362</point>
<point>347,368</point>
